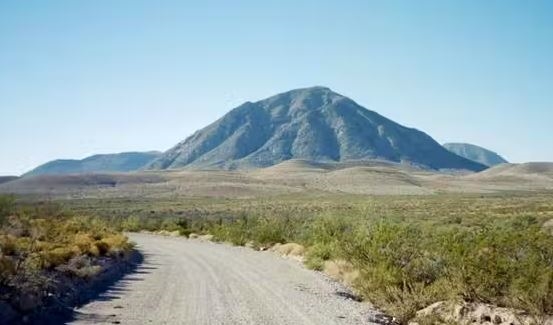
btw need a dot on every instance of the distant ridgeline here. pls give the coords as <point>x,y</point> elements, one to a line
<point>476,153</point>
<point>314,124</point>
<point>120,162</point>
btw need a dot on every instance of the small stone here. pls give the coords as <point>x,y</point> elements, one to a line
<point>381,319</point>
<point>485,318</point>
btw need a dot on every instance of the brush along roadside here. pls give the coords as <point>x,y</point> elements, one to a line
<point>410,252</point>
<point>405,268</point>
<point>50,259</point>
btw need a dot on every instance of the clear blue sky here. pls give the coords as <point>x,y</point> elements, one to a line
<point>85,77</point>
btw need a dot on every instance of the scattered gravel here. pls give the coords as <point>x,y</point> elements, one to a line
<point>197,282</point>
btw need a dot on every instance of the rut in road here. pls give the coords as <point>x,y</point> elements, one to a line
<point>193,282</point>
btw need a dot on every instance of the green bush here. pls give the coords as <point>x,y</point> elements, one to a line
<point>400,269</point>
<point>7,204</point>
<point>318,254</point>
<point>404,268</point>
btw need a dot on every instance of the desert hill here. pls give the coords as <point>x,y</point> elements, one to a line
<point>314,124</point>
<point>292,177</point>
<point>476,153</point>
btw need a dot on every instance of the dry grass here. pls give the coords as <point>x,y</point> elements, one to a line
<point>40,242</point>
<point>289,177</point>
<point>341,270</point>
<point>289,249</point>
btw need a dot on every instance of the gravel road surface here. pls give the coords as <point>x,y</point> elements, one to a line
<point>193,282</point>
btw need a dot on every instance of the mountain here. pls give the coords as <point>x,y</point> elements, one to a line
<point>314,124</point>
<point>119,162</point>
<point>475,153</point>
<point>5,179</point>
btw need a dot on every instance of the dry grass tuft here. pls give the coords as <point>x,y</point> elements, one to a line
<point>289,249</point>
<point>341,270</point>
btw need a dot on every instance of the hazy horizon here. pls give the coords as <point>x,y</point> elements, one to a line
<point>89,78</point>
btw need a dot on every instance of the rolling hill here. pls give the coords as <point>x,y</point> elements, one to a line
<point>476,153</point>
<point>120,162</point>
<point>539,169</point>
<point>291,177</point>
<point>314,124</point>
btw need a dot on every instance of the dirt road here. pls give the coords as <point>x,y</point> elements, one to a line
<point>193,282</point>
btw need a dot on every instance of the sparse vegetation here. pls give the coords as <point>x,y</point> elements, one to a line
<point>40,244</point>
<point>406,252</point>
<point>409,252</point>
<point>406,267</point>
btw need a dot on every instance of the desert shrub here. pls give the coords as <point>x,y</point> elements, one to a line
<point>404,268</point>
<point>328,229</point>
<point>533,292</point>
<point>56,256</point>
<point>270,230</point>
<point>81,266</point>
<point>478,265</point>
<point>88,271</point>
<point>7,269</point>
<point>318,254</point>
<point>500,265</point>
<point>132,223</point>
<point>8,245</point>
<point>398,270</point>
<point>114,244</point>
<point>100,248</point>
<point>184,227</point>
<point>38,240</point>
<point>7,204</point>
<point>83,241</point>
<point>237,232</point>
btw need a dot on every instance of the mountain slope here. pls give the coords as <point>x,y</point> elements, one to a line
<point>5,179</point>
<point>120,162</point>
<point>475,153</point>
<point>314,124</point>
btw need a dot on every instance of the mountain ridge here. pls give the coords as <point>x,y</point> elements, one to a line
<point>475,153</point>
<point>98,163</point>
<point>309,123</point>
<point>5,179</point>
